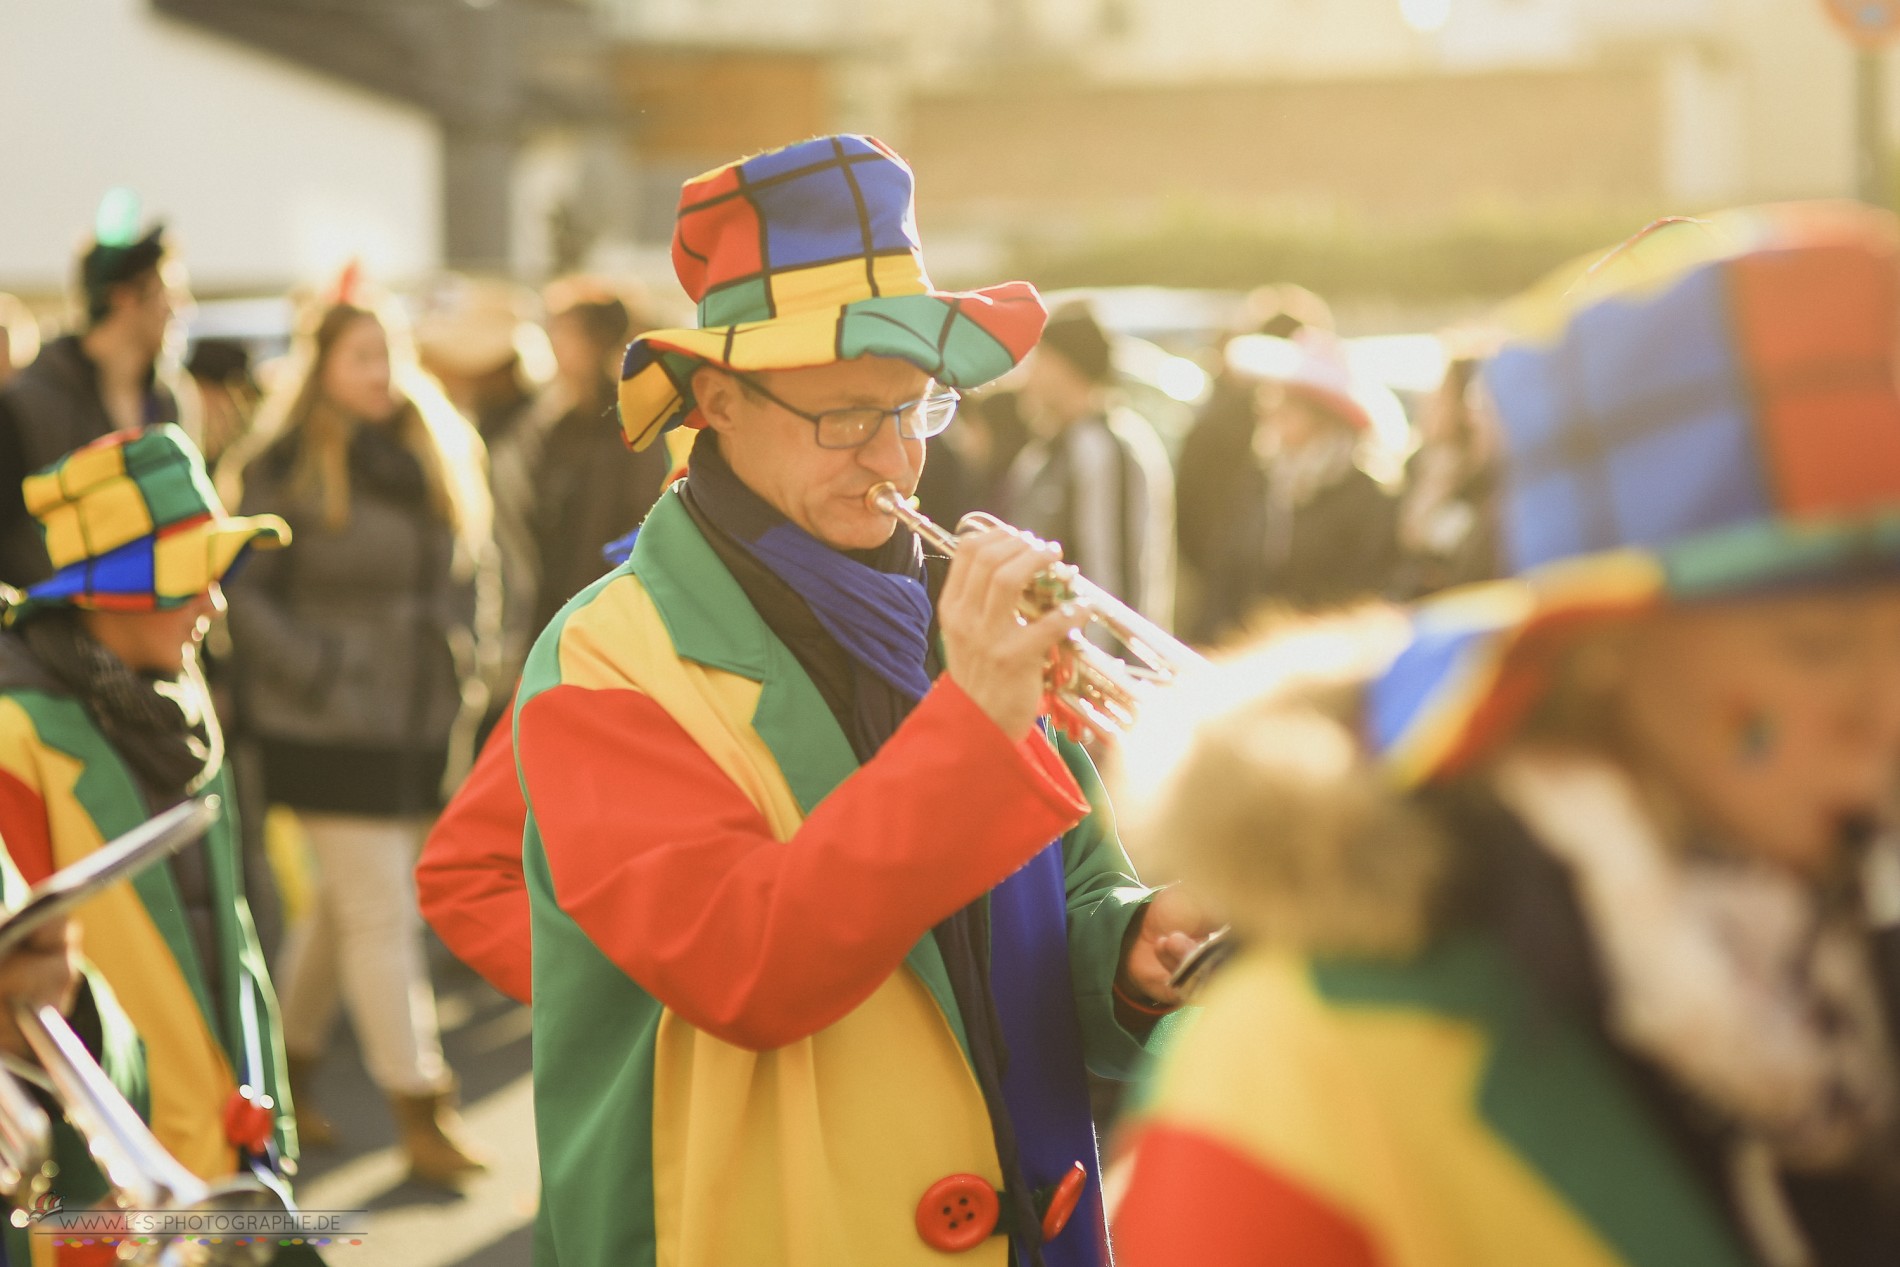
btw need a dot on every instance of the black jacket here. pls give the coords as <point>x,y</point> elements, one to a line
<point>1341,546</point>
<point>48,410</point>
<point>354,646</point>
<point>592,490</point>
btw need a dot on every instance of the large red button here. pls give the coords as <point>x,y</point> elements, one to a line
<point>1063,1200</point>
<point>249,1120</point>
<point>958,1213</point>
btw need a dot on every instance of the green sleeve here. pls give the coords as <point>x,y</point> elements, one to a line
<point>1105,896</point>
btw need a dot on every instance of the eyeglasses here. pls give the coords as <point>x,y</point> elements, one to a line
<point>853,426</point>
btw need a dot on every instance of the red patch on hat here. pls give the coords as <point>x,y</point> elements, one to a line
<point>1818,334</point>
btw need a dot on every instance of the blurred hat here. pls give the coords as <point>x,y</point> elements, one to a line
<point>131,523</point>
<point>1075,335</point>
<point>1284,310</point>
<point>1311,364</point>
<point>472,326</point>
<point>1712,411</point>
<point>219,359</point>
<point>119,250</point>
<point>806,256</point>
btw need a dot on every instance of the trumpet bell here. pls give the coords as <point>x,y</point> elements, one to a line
<point>1090,692</point>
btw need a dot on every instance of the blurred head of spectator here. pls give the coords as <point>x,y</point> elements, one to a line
<point>19,337</point>
<point>1305,395</point>
<point>479,337</point>
<point>1284,310</point>
<point>353,375</point>
<point>133,292</point>
<point>589,324</point>
<point>220,371</point>
<point>1067,379</point>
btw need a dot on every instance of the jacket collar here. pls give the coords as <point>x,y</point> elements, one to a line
<point>711,622</point>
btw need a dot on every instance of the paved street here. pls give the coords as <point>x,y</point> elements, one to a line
<point>486,1038</point>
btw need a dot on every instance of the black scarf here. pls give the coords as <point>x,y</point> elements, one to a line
<point>163,729</point>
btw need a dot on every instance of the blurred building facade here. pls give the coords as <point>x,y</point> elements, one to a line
<point>1405,106</point>
<point>531,133</point>
<point>1380,107</point>
<point>269,173</point>
<point>523,137</point>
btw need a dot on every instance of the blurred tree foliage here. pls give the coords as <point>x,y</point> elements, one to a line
<point>1475,255</point>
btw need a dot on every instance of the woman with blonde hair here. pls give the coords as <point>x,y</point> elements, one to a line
<point>1569,901</point>
<point>357,675</point>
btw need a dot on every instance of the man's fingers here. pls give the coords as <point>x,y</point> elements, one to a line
<point>1003,600</point>
<point>1172,949</point>
<point>1047,631</point>
<point>968,581</point>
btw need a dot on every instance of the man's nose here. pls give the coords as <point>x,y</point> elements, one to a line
<point>887,454</point>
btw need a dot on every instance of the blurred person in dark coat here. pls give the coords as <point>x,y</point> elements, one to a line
<point>358,650</point>
<point>592,488</point>
<point>1211,474</point>
<point>1445,514</point>
<point>1307,528</point>
<point>1093,476</point>
<point>103,379</point>
<point>227,394</point>
<point>480,340</point>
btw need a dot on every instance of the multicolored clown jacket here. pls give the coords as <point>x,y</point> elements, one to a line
<point>205,1029</point>
<point>1424,1073</point>
<point>747,1048</point>
<point>1427,1114</point>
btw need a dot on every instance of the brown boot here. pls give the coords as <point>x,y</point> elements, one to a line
<point>434,1137</point>
<point>314,1130</point>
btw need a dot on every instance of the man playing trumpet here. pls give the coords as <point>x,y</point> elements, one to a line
<point>825,928</point>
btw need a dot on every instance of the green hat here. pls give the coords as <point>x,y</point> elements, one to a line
<point>132,523</point>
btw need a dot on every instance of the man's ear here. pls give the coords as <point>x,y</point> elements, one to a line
<point>716,393</point>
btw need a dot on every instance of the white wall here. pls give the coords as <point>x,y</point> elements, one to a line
<point>1799,75</point>
<point>268,174</point>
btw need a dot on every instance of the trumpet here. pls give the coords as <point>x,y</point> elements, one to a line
<point>139,1172</point>
<point>1090,693</point>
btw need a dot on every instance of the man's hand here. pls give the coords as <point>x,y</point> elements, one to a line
<point>988,650</point>
<point>1172,926</point>
<point>45,969</point>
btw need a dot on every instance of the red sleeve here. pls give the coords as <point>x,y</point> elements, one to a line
<point>677,878</point>
<point>24,828</point>
<point>1192,1199</point>
<point>469,878</point>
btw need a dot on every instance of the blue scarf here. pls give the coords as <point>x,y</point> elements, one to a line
<point>873,602</point>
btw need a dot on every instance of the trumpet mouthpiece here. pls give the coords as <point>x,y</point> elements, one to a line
<point>886,498</point>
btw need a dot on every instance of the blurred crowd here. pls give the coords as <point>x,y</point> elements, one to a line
<point>450,463</point>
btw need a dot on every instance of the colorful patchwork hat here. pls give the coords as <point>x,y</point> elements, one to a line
<point>1710,412</point>
<point>132,523</point>
<point>807,256</point>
